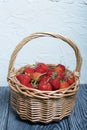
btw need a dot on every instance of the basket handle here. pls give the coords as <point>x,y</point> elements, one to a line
<point>44,34</point>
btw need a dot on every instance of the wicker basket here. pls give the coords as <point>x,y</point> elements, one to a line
<point>41,106</point>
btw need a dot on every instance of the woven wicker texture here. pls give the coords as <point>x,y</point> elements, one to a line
<point>42,106</point>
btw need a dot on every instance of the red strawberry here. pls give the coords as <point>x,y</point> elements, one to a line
<point>71,79</point>
<point>29,71</point>
<point>41,68</point>
<point>64,84</point>
<point>29,85</point>
<point>61,75</point>
<point>45,87</point>
<point>24,79</point>
<point>19,77</point>
<point>60,68</point>
<point>45,79</point>
<point>49,72</point>
<point>55,83</point>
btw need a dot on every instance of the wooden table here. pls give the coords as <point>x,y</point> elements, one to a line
<point>9,120</point>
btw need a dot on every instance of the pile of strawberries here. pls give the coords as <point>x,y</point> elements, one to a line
<point>45,78</point>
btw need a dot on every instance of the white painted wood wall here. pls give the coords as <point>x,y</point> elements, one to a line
<point>19,18</point>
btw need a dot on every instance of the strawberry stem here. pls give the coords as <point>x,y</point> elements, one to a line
<point>34,83</point>
<point>54,75</point>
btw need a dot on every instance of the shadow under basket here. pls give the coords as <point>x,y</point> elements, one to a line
<point>42,106</point>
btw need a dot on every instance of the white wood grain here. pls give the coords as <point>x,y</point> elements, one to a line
<point>4,107</point>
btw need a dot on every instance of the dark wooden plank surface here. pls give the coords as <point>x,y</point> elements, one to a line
<point>9,120</point>
<point>4,106</point>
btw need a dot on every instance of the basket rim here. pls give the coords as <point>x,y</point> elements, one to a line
<point>32,92</point>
